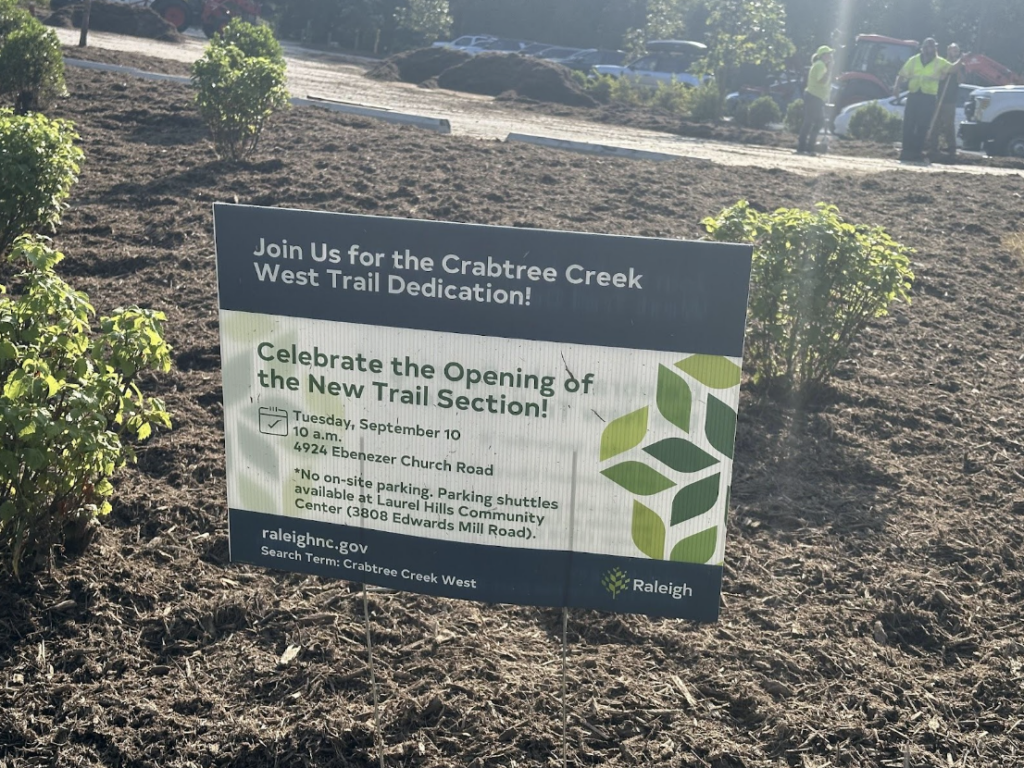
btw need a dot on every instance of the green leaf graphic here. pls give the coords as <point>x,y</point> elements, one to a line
<point>711,370</point>
<point>648,531</point>
<point>695,499</point>
<point>720,426</point>
<point>698,548</point>
<point>623,433</point>
<point>681,455</point>
<point>674,398</point>
<point>637,478</point>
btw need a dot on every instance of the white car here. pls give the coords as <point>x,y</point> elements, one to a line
<point>668,61</point>
<point>895,106</point>
<point>465,41</point>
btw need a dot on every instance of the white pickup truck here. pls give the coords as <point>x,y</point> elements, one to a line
<point>994,121</point>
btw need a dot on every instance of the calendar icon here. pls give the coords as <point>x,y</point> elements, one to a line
<point>274,421</point>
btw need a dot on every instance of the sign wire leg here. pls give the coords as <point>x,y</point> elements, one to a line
<point>378,737</point>
<point>565,709</point>
<point>565,620</point>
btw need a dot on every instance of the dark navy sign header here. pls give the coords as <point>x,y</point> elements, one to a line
<point>569,287</point>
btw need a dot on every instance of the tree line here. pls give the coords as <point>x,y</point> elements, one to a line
<point>767,32</point>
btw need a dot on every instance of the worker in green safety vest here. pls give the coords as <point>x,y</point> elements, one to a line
<point>922,73</point>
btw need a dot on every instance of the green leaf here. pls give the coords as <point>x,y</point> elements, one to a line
<point>674,398</point>
<point>695,499</point>
<point>623,433</point>
<point>720,426</point>
<point>648,531</point>
<point>681,455</point>
<point>711,370</point>
<point>637,478</point>
<point>698,548</point>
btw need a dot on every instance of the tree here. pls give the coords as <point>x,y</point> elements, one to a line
<point>745,32</point>
<point>422,21</point>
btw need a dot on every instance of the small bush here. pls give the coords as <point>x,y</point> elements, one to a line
<point>817,281</point>
<point>706,104</point>
<point>68,404</point>
<point>236,93</point>
<point>12,17</point>
<point>31,66</point>
<point>741,114</point>
<point>763,112</point>
<point>673,97</point>
<point>795,116</point>
<point>253,40</point>
<point>39,166</point>
<point>873,122</point>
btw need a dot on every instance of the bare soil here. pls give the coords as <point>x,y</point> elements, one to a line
<point>872,607</point>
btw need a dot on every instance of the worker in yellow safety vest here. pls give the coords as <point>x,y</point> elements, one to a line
<point>923,73</point>
<point>815,96</point>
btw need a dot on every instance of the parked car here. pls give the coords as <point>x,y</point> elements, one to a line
<point>895,106</point>
<point>784,90</point>
<point>465,41</point>
<point>667,61</point>
<point>501,45</point>
<point>557,54</point>
<point>588,58</point>
<point>534,48</point>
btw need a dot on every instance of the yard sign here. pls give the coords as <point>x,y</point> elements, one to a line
<point>496,414</point>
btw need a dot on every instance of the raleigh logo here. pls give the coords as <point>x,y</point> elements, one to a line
<point>616,580</point>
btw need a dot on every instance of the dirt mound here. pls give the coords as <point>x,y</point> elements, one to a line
<point>118,18</point>
<point>493,74</point>
<point>418,66</point>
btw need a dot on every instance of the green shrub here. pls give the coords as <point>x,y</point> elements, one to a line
<point>741,114</point>
<point>817,281</point>
<point>253,40</point>
<point>236,94</point>
<point>39,166</point>
<point>763,112</point>
<point>873,122</point>
<point>69,402</point>
<point>673,97</point>
<point>795,116</point>
<point>706,104</point>
<point>625,91</point>
<point>31,66</point>
<point>599,87</point>
<point>11,18</point>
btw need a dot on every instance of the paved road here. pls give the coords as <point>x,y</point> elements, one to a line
<point>313,73</point>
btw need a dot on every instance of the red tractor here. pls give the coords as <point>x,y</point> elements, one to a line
<point>211,15</point>
<point>875,60</point>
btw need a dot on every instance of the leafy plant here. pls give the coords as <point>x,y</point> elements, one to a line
<point>39,166</point>
<point>706,104</point>
<point>763,112</point>
<point>873,122</point>
<point>816,282</point>
<point>11,18</point>
<point>68,406</point>
<point>673,97</point>
<point>31,66</point>
<point>741,114</point>
<point>237,93</point>
<point>795,116</point>
<point>253,40</point>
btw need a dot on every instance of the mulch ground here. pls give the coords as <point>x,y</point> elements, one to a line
<point>872,607</point>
